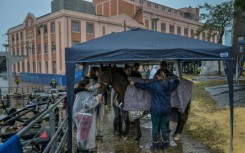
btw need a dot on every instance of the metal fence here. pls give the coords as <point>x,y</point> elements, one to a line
<point>57,131</point>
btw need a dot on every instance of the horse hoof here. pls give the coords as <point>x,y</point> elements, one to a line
<point>125,137</point>
<point>177,137</point>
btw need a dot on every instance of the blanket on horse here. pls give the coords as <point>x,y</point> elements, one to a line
<point>181,96</point>
<point>140,100</point>
<point>136,99</point>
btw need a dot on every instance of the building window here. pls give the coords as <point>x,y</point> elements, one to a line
<point>186,31</point>
<point>213,37</point>
<point>39,49</point>
<point>103,30</point>
<point>141,1</point>
<point>178,30</point>
<point>13,37</point>
<point>75,43</point>
<point>13,53</point>
<point>46,66</point>
<point>45,28</point>
<point>192,33</point>
<point>28,67</point>
<point>53,47</point>
<point>34,67</point>
<point>154,24</point>
<point>149,4</point>
<point>33,49</point>
<point>171,29</point>
<point>54,67</point>
<point>21,36</point>
<point>18,53</point>
<point>169,9</point>
<point>40,67</point>
<point>53,27</point>
<point>75,26</point>
<point>163,27</point>
<point>90,28</point>
<point>22,50</point>
<point>46,48</point>
<point>23,67</point>
<point>163,7</point>
<point>156,5</point>
<point>175,11</point>
<point>18,67</point>
<point>14,68</point>
<point>17,37</point>
<point>203,36</point>
<point>39,32</point>
<point>27,50</point>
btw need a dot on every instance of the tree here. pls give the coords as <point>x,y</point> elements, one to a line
<point>239,5</point>
<point>239,23</point>
<point>217,19</point>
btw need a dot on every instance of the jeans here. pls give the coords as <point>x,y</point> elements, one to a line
<point>162,121</point>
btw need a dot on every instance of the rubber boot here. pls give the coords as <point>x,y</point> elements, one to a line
<point>165,140</point>
<point>154,146</point>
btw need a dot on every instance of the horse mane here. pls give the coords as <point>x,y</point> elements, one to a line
<point>120,71</point>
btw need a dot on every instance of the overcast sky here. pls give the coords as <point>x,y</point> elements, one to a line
<point>13,12</point>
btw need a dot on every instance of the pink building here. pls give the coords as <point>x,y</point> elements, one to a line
<point>44,39</point>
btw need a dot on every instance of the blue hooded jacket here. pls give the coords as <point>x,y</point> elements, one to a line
<point>161,93</point>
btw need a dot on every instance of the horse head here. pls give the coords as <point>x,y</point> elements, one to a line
<point>115,77</point>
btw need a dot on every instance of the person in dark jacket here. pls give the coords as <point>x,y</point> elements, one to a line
<point>137,74</point>
<point>53,83</point>
<point>160,105</point>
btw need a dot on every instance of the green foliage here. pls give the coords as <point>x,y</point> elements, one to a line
<point>217,19</point>
<point>240,4</point>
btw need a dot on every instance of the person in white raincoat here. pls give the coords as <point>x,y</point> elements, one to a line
<point>86,102</point>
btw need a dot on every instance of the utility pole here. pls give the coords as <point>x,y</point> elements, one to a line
<point>124,25</point>
<point>7,63</point>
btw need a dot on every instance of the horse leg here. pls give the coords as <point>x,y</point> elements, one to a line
<point>126,121</point>
<point>138,130</point>
<point>117,123</point>
<point>181,122</point>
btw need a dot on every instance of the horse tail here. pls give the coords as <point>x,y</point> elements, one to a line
<point>187,110</point>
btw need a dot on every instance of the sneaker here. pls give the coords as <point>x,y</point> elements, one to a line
<point>177,137</point>
<point>172,142</point>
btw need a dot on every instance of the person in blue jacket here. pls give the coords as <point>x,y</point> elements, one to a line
<point>160,105</point>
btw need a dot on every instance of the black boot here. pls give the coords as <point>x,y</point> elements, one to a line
<point>137,124</point>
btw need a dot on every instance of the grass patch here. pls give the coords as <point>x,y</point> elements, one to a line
<point>210,124</point>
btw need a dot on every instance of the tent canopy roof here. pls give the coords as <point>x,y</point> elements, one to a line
<point>145,45</point>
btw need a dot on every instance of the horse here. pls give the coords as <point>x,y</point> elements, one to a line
<point>117,78</point>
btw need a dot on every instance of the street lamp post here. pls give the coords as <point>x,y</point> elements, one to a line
<point>7,63</point>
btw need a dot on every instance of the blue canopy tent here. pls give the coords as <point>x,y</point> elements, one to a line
<point>146,46</point>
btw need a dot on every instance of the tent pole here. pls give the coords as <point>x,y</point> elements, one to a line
<point>229,65</point>
<point>178,68</point>
<point>70,77</point>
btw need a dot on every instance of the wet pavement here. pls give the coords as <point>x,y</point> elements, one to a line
<point>221,94</point>
<point>112,143</point>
